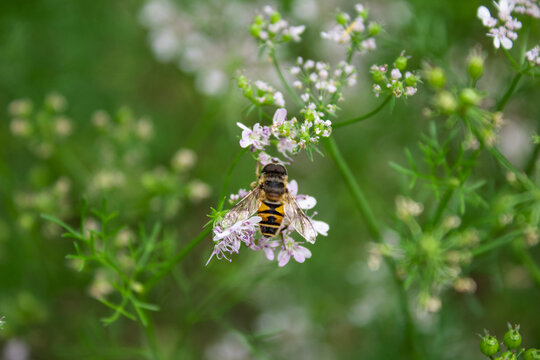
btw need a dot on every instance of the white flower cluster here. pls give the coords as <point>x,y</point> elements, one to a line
<point>260,93</point>
<point>290,136</point>
<point>503,28</point>
<point>269,28</point>
<point>228,241</point>
<point>354,32</point>
<point>533,55</point>
<point>321,85</point>
<point>184,33</point>
<point>43,129</point>
<point>396,84</point>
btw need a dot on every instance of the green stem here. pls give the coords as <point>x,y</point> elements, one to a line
<point>511,58</point>
<point>502,103</point>
<point>151,339</point>
<point>177,258</point>
<point>497,243</point>
<point>505,163</point>
<point>442,205</point>
<point>365,116</point>
<point>283,81</point>
<point>356,192</point>
<point>367,214</point>
<point>532,160</point>
<point>526,259</point>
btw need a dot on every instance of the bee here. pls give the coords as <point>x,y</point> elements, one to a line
<point>274,203</point>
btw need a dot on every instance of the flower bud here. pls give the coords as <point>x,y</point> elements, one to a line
<point>512,338</point>
<point>401,63</point>
<point>532,354</point>
<point>446,102</point>
<point>411,80</point>
<point>275,17</point>
<point>378,76</point>
<point>374,28</point>
<point>255,30</point>
<point>342,18</point>
<point>242,81</point>
<point>469,96</point>
<point>489,345</point>
<point>258,20</point>
<point>475,66</point>
<point>435,77</point>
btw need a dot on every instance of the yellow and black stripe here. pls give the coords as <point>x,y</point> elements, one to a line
<point>272,216</point>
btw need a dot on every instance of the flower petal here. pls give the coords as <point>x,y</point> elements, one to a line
<point>321,227</point>
<point>293,187</point>
<point>506,43</point>
<point>283,258</point>
<point>483,13</point>
<point>306,201</point>
<point>279,116</point>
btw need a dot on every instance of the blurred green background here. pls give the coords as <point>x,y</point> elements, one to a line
<point>99,55</point>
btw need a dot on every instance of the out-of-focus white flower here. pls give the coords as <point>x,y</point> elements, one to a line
<point>183,159</point>
<point>533,56</point>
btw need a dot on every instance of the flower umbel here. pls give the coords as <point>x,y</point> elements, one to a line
<point>229,240</point>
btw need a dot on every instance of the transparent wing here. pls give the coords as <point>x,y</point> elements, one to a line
<point>243,208</point>
<point>302,224</point>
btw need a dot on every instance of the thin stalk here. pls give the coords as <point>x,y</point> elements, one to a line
<point>365,116</point>
<point>356,193</point>
<point>526,259</point>
<point>177,258</point>
<point>152,341</point>
<point>197,239</point>
<point>442,205</point>
<point>505,163</point>
<point>511,58</point>
<point>373,228</point>
<point>497,243</point>
<point>283,81</point>
<point>532,160</point>
<point>502,103</point>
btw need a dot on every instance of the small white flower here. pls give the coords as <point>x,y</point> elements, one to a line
<point>297,84</point>
<point>305,97</point>
<point>296,31</point>
<point>295,70</point>
<point>410,91</point>
<point>257,138</point>
<point>395,74</point>
<point>369,44</point>
<point>309,64</point>
<point>500,37</point>
<point>483,14</point>
<point>278,99</point>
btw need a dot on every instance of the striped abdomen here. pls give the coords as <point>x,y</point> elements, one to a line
<point>272,217</point>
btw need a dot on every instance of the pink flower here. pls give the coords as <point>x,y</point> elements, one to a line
<point>257,138</point>
<point>230,239</point>
<point>294,249</point>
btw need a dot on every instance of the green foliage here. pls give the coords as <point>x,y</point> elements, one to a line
<point>463,252</point>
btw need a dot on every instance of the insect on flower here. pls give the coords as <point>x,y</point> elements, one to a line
<point>274,204</point>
